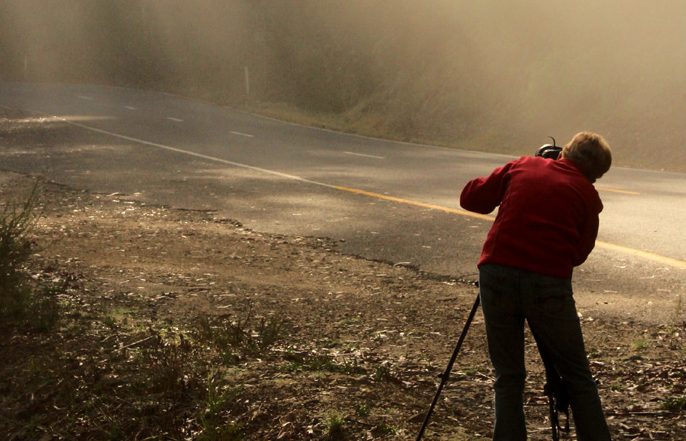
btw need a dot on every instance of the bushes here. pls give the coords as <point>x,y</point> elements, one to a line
<point>23,301</point>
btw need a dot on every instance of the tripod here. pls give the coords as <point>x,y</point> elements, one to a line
<point>554,387</point>
<point>444,376</point>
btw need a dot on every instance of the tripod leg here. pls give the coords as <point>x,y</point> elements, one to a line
<point>554,388</point>
<point>446,374</point>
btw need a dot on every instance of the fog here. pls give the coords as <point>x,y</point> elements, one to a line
<point>489,75</point>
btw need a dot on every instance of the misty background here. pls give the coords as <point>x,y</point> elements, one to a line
<point>488,75</point>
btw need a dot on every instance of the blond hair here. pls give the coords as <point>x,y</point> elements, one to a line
<point>590,152</point>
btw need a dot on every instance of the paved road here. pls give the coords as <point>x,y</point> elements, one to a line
<point>379,199</point>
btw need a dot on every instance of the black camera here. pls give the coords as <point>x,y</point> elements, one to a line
<point>551,151</point>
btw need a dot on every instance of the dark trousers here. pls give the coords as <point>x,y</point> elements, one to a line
<point>509,297</point>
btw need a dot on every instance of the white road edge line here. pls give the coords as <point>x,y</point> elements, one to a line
<point>197,155</point>
<point>171,118</point>
<point>364,155</point>
<point>247,135</point>
<point>130,108</point>
<point>85,97</point>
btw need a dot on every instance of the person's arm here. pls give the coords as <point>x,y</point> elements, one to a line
<point>484,194</point>
<point>588,233</point>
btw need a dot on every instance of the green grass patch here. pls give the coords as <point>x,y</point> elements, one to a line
<point>321,363</point>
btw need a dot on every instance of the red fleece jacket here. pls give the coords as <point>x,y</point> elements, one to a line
<point>548,216</point>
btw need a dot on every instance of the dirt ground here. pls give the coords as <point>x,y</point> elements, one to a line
<point>180,324</point>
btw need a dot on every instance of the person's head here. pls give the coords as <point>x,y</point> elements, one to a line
<point>590,152</point>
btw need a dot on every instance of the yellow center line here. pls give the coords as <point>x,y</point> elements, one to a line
<point>664,260</point>
<point>617,190</point>
<point>415,203</point>
<point>676,263</point>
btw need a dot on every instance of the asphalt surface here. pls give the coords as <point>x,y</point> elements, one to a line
<point>377,199</point>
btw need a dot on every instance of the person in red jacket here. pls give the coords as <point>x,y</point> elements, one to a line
<point>547,224</point>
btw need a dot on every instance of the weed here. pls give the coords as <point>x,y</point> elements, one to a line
<point>639,344</point>
<point>215,397</point>
<point>322,363</point>
<point>22,300</point>
<point>109,321</point>
<point>243,337</point>
<point>335,427</point>
<point>116,316</point>
<point>269,332</point>
<point>383,429</point>
<point>675,404</point>
<point>16,222</point>
<point>167,360</point>
<point>44,308</point>
<point>362,410</point>
<point>383,373</point>
<point>469,372</point>
<point>212,421</point>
